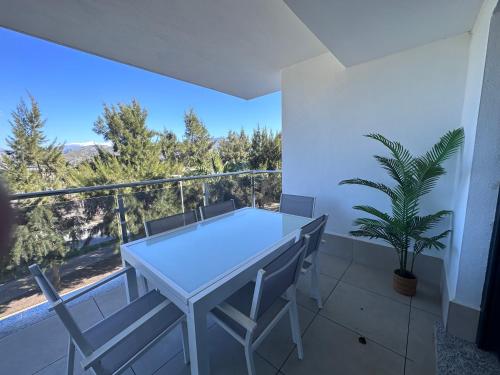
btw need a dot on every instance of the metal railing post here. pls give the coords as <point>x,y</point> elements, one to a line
<point>253,188</point>
<point>123,219</point>
<point>182,196</point>
<point>205,194</point>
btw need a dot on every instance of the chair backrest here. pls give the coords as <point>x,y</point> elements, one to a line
<point>278,276</point>
<point>297,205</point>
<point>170,222</point>
<point>314,230</point>
<point>45,285</point>
<point>60,308</point>
<point>217,209</point>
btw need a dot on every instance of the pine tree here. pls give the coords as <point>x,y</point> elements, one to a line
<point>135,147</point>
<point>198,147</point>
<point>30,164</point>
<point>139,154</point>
<point>170,147</point>
<point>265,154</point>
<point>265,151</point>
<point>234,151</point>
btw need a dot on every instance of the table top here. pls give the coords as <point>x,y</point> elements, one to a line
<point>200,254</point>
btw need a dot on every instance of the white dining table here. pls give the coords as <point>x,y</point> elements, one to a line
<point>200,265</point>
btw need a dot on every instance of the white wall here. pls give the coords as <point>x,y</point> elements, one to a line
<point>414,97</point>
<point>484,173</point>
<point>474,84</point>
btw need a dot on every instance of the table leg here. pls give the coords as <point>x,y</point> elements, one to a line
<point>198,345</point>
<point>132,287</point>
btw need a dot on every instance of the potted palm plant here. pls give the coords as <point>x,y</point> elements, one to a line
<point>404,228</point>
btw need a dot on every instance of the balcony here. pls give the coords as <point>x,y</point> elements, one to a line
<point>365,327</point>
<point>345,69</point>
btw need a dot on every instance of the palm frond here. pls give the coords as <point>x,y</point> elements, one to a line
<point>446,147</point>
<point>398,151</point>
<point>395,169</point>
<point>422,224</point>
<point>422,243</point>
<point>370,233</point>
<point>373,211</point>
<point>359,181</point>
<point>406,205</point>
<point>427,168</point>
<point>379,233</point>
<point>370,222</point>
<point>434,242</point>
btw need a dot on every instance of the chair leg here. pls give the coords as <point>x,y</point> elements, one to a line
<point>292,326</point>
<point>249,358</point>
<point>185,341</point>
<point>315,289</point>
<point>71,357</point>
<point>145,285</point>
<point>295,326</point>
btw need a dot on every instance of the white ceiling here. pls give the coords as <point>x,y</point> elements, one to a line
<point>356,31</point>
<point>238,47</point>
<point>235,46</point>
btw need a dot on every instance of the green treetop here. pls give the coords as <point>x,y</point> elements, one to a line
<point>30,163</point>
<point>198,147</point>
<point>265,152</point>
<point>234,151</point>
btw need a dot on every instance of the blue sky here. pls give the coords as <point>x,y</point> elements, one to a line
<point>71,87</point>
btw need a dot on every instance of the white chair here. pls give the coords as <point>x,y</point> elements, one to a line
<point>115,343</point>
<point>217,209</point>
<point>164,224</point>
<point>252,312</point>
<point>297,205</point>
<point>314,230</point>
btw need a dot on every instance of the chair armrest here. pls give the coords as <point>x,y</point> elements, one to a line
<point>96,285</point>
<point>237,316</point>
<point>115,340</point>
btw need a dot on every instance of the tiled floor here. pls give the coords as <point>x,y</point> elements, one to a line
<point>359,302</point>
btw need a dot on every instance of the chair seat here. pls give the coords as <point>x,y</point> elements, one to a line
<point>114,324</point>
<point>242,301</point>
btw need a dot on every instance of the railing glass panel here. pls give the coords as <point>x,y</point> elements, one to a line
<point>75,234</point>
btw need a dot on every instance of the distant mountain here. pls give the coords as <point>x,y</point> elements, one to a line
<point>80,151</point>
<point>79,145</point>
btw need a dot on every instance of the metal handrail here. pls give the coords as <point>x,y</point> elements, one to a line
<point>86,189</point>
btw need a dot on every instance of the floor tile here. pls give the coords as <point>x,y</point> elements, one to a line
<point>168,347</point>
<point>277,346</point>
<point>59,368</point>
<point>374,255</point>
<point>326,285</point>
<point>332,266</point>
<point>413,368</point>
<point>112,300</point>
<point>43,343</point>
<point>421,341</point>
<point>428,298</point>
<point>337,246</point>
<point>330,349</point>
<point>372,279</point>
<point>226,358</point>
<point>376,317</point>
